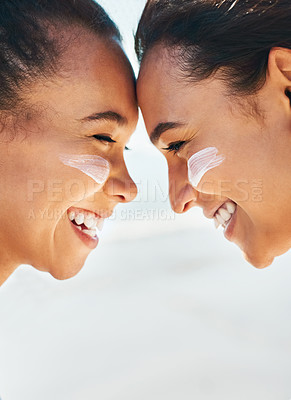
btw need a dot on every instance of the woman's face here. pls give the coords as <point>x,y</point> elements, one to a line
<point>252,135</point>
<point>89,109</point>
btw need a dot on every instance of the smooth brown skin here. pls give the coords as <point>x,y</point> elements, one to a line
<point>257,171</point>
<point>36,188</point>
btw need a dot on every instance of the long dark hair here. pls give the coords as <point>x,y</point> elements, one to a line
<point>232,36</point>
<point>27,51</point>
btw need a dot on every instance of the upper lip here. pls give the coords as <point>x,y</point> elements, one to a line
<point>210,212</point>
<point>98,214</point>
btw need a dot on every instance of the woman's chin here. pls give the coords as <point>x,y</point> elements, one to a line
<point>259,262</point>
<point>63,269</point>
<point>64,273</point>
<point>257,251</point>
<point>261,246</point>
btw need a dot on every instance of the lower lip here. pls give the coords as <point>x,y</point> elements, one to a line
<point>228,232</point>
<point>87,240</point>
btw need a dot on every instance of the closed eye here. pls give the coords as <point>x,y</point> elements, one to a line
<point>174,147</point>
<point>106,139</point>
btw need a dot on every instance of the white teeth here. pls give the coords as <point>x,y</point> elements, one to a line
<point>224,214</point>
<point>71,215</point>
<point>90,232</point>
<point>225,225</point>
<point>230,207</point>
<point>90,221</point>
<point>219,219</point>
<point>100,224</point>
<point>80,219</point>
<point>216,223</point>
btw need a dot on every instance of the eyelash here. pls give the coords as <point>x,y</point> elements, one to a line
<point>106,139</point>
<point>174,147</point>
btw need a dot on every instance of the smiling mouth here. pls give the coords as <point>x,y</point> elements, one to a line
<point>86,222</point>
<point>224,215</point>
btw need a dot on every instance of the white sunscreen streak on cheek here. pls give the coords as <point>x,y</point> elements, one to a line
<point>93,166</point>
<point>202,162</point>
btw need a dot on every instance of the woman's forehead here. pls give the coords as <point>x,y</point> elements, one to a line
<point>163,95</point>
<point>95,77</point>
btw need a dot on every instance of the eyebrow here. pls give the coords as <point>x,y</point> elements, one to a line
<point>162,128</point>
<point>110,116</point>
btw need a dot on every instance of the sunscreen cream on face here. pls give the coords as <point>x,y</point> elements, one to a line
<point>202,162</point>
<point>93,166</point>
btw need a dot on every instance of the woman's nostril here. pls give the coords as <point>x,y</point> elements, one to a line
<point>183,198</point>
<point>123,191</point>
<point>187,206</point>
<point>122,199</point>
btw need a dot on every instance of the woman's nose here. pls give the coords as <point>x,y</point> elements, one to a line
<point>182,194</point>
<point>120,186</point>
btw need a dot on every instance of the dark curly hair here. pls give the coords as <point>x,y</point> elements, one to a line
<point>28,51</point>
<point>232,36</point>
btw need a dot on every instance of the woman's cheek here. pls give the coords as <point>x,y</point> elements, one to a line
<point>78,187</point>
<point>93,166</point>
<point>200,163</point>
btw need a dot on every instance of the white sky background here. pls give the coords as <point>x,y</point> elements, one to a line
<point>164,309</point>
<point>126,14</point>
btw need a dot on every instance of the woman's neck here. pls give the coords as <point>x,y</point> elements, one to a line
<point>6,269</point>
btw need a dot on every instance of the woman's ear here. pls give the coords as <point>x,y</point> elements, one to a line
<point>279,69</point>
